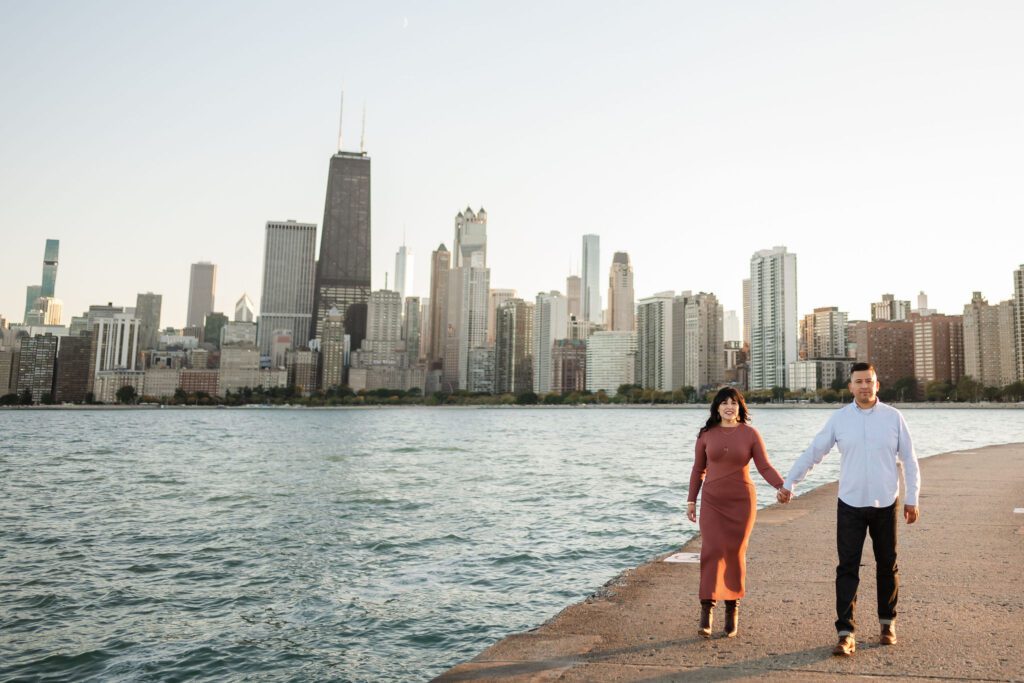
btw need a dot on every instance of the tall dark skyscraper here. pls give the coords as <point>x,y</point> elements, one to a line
<point>50,267</point>
<point>343,271</point>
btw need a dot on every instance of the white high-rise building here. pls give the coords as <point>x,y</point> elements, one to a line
<point>773,324</point>
<point>621,299</point>
<point>550,321</point>
<point>654,342</point>
<point>611,360</point>
<point>591,279</point>
<point>384,316</point>
<point>117,342</point>
<point>469,283</point>
<point>731,327</point>
<point>286,302</point>
<point>470,236</point>
<point>404,262</point>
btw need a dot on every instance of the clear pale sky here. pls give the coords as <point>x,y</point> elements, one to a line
<point>881,142</point>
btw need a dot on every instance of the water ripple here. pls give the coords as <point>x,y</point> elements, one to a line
<point>340,545</point>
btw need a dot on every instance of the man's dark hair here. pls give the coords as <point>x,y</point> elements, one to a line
<point>861,367</point>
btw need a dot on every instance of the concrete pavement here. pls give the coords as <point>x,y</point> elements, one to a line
<point>961,610</point>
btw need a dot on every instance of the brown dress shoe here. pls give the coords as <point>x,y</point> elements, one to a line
<point>888,636</point>
<point>845,647</point>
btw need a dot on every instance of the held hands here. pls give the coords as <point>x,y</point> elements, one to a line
<point>911,513</point>
<point>783,495</point>
<point>691,512</point>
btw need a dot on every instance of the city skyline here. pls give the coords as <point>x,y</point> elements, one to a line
<point>738,135</point>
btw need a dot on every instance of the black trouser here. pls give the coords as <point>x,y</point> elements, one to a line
<point>852,524</point>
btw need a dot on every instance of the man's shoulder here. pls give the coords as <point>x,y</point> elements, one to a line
<point>888,409</point>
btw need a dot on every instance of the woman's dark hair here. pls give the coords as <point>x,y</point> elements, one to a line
<point>716,419</point>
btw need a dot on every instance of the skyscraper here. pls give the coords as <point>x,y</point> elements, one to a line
<point>468,288</point>
<point>550,322</point>
<point>404,271</point>
<point>591,279</point>
<point>412,327</point>
<point>50,257</point>
<point>470,236</point>
<point>286,301</point>
<point>49,281</point>
<point>332,351</point>
<point>494,301</point>
<point>1018,316</point>
<point>574,293</point>
<point>746,314</point>
<point>201,292</point>
<point>611,360</point>
<point>245,312</point>
<point>440,264</point>
<point>699,360</point>
<point>343,270</point>
<point>773,325</point>
<point>147,310</point>
<point>938,349</point>
<point>621,300</point>
<point>891,308</point>
<point>981,342</point>
<point>513,347</point>
<point>654,342</point>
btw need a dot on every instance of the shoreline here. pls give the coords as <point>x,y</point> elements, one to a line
<point>604,406</point>
<point>960,611</point>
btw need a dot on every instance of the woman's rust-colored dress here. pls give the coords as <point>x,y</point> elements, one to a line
<point>728,505</point>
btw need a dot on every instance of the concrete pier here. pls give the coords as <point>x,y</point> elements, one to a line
<point>961,608</point>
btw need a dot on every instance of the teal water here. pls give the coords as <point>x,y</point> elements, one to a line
<point>351,545</point>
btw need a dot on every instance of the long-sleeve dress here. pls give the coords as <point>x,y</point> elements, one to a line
<point>728,505</point>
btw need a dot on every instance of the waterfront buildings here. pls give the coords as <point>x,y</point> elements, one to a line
<point>513,347</point>
<point>654,335</point>
<point>469,282</point>
<point>36,365</point>
<point>1018,317</point>
<point>746,313</point>
<point>382,361</point>
<point>201,292</point>
<point>621,300</point>
<point>1007,343</point>
<point>697,341</point>
<point>732,330</point>
<point>550,322</point>
<point>343,269</point>
<point>611,360</point>
<point>938,349</point>
<point>73,356</point>
<point>773,324</point>
<point>147,310</point>
<point>47,288</point>
<point>332,350</point>
<point>568,366</point>
<point>286,299</point>
<point>889,346</point>
<point>440,265</point>
<point>590,277</point>
<point>412,327</point>
<point>494,301</point>
<point>982,360</point>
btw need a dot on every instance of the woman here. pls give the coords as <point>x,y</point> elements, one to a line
<point>725,445</point>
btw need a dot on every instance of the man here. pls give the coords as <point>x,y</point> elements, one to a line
<point>871,437</point>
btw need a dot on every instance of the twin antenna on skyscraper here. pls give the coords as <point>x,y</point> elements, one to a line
<point>341,118</point>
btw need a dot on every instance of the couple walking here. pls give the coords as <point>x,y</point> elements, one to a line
<point>871,437</point>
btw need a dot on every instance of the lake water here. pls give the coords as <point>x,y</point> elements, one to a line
<point>353,545</point>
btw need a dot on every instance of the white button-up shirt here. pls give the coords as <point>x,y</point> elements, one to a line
<point>870,442</point>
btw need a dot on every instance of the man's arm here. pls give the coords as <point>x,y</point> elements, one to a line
<point>819,448</point>
<point>911,473</point>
